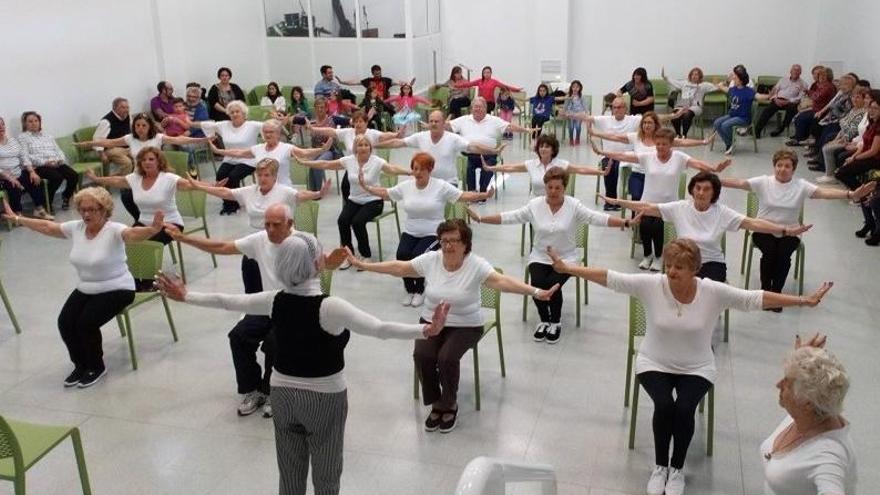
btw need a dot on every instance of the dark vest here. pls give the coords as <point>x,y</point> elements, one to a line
<point>118,127</point>
<point>302,348</point>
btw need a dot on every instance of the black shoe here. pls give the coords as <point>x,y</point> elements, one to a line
<point>65,204</point>
<point>775,310</point>
<point>554,331</point>
<point>874,240</point>
<point>432,423</point>
<point>73,379</point>
<point>91,377</point>
<point>816,167</point>
<point>792,142</point>
<point>811,154</point>
<point>863,232</point>
<point>776,133</point>
<point>540,332</point>
<point>447,426</point>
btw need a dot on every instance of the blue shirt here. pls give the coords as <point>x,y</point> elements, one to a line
<point>324,87</point>
<point>741,102</point>
<point>542,106</point>
<point>197,113</point>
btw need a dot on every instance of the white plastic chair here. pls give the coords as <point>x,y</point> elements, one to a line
<point>489,476</point>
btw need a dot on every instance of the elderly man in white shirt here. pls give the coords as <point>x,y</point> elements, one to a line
<point>786,95</point>
<point>616,123</point>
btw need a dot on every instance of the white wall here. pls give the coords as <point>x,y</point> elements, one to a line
<point>850,36</point>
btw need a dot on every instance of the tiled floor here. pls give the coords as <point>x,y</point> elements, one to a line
<point>171,427</point>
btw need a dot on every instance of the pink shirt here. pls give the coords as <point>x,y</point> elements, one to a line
<point>174,127</point>
<point>407,101</point>
<point>486,87</point>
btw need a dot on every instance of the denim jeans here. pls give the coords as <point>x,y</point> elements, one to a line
<point>724,127</point>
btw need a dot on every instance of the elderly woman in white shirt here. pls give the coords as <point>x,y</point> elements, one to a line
<point>105,285</point>
<point>555,218</point>
<point>781,199</point>
<point>453,275</point>
<point>424,201</point>
<point>308,387</point>
<point>811,450</point>
<point>689,104</point>
<point>676,355</point>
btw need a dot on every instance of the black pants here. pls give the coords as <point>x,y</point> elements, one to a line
<point>543,277</point>
<point>490,106</point>
<point>538,122</point>
<point>80,324</point>
<point>247,335</point>
<point>410,247</point>
<point>851,174</point>
<point>769,111</point>
<point>456,104</point>
<point>234,173</point>
<point>683,124</point>
<point>474,163</point>
<point>161,236</point>
<point>775,259</point>
<point>355,217</point>
<point>673,417</point>
<point>13,194</point>
<point>651,233</point>
<point>713,270</point>
<point>611,178</point>
<point>57,174</point>
<point>250,275</point>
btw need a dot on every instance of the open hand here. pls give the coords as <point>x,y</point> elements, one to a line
<point>438,320</point>
<point>171,286</point>
<point>815,298</point>
<point>158,221</point>
<point>723,165</point>
<point>558,264</point>
<point>612,201</point>
<point>817,340</point>
<point>335,258</point>
<point>354,260</point>
<point>546,294</point>
<point>798,229</point>
<point>325,188</point>
<point>173,232</point>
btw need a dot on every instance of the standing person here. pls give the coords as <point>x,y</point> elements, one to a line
<point>405,114</point>
<point>47,158</point>
<point>781,200</point>
<point>222,94</point>
<point>574,109</point>
<point>616,123</point>
<point>506,107</point>
<point>542,108</point>
<point>811,450</point>
<point>689,103</point>
<point>740,97</point>
<point>785,96</point>
<point>424,201</point>
<point>273,98</point>
<point>452,276</point>
<point>162,105</point>
<point>640,91</point>
<point>480,127</point>
<point>380,84</point>
<point>459,97</point>
<point>115,124</point>
<point>486,86</point>
<point>555,219</point>
<point>676,355</point>
<point>17,175</point>
<point>360,206</point>
<point>820,93</point>
<point>105,285</point>
<point>308,386</point>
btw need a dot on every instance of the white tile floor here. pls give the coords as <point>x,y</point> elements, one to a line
<point>171,427</point>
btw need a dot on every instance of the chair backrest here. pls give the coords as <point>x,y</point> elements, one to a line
<point>257,93</point>
<point>383,153</point>
<point>682,186</point>
<point>439,95</point>
<point>387,180</point>
<point>84,133</point>
<point>9,447</point>
<point>582,237</point>
<point>299,173</point>
<point>569,189</point>
<point>661,89</point>
<point>179,161</point>
<point>305,217</point>
<point>258,113</point>
<point>766,82</point>
<point>461,166</point>
<point>491,298</point>
<point>144,258</point>
<point>751,205</point>
<point>637,321</point>
<point>326,281</point>
<point>456,210</point>
<point>669,233</point>
<point>71,153</point>
<point>191,203</point>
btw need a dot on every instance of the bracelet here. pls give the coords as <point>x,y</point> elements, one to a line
<point>802,301</point>
<point>535,294</point>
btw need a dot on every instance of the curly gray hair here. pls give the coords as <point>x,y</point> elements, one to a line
<point>299,259</point>
<point>819,379</point>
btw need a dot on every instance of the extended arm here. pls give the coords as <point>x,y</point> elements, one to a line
<point>117,181</point>
<point>213,246</point>
<point>856,195</point>
<point>687,143</point>
<point>595,275</point>
<point>617,138</point>
<point>736,183</point>
<point>178,140</point>
<point>506,283</point>
<point>216,191</point>
<point>780,300</point>
<point>705,167</point>
<point>395,170</point>
<point>235,153</point>
<point>621,156</point>
<point>309,153</point>
<point>584,170</point>
<point>394,268</point>
<point>103,143</point>
<point>768,227</point>
<point>137,234</point>
<point>323,164</point>
<point>642,207</point>
<point>44,227</point>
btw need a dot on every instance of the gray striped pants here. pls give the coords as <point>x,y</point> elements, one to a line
<point>309,425</point>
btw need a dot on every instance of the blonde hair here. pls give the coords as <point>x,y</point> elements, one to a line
<point>819,379</point>
<point>358,140</point>
<point>97,194</point>
<point>142,154</point>
<point>685,251</point>
<point>269,164</point>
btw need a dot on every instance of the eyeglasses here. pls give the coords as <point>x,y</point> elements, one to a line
<point>449,242</point>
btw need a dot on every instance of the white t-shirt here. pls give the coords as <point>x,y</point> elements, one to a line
<point>703,227</point>
<point>824,464</point>
<point>346,137</point>
<point>372,169</point>
<point>536,171</point>
<point>280,103</point>
<point>160,196</point>
<point>681,344</point>
<point>444,152</point>
<point>638,145</point>
<point>485,132</point>
<point>281,154</point>
<point>558,230</point>
<point>662,179</point>
<point>610,125</point>
<point>461,288</point>
<point>136,145</point>
<point>241,137</point>
<point>781,202</point>
<point>255,202</point>
<point>100,263</point>
<point>424,207</point>
<point>257,246</point>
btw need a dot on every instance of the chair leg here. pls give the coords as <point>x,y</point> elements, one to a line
<point>522,240</point>
<point>18,483</point>
<point>379,239</point>
<point>742,259</point>
<point>207,236</point>
<point>180,257</point>
<point>397,221</point>
<point>170,319</point>
<point>634,414</point>
<point>173,253</point>
<point>121,325</point>
<point>596,197</point>
<point>629,363</point>
<point>749,265</point>
<point>500,347</point>
<point>477,376</point>
<point>9,310</point>
<point>80,461</point>
<point>131,351</point>
<point>710,434</point>
<point>577,306</point>
<point>726,325</point>
<point>526,298</point>
<point>415,382</point>
<point>801,259</point>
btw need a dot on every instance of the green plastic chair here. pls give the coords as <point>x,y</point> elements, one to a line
<point>144,261</point>
<point>73,156</point>
<point>661,94</point>
<point>489,299</point>
<point>192,204</point>
<point>259,113</point>
<point>581,240</point>
<point>299,173</point>
<point>439,98</point>
<point>326,281</point>
<point>456,210</point>
<point>6,302</point>
<point>751,128</point>
<point>179,162</point>
<point>384,153</point>
<point>257,93</point>
<point>24,444</point>
<point>637,327</point>
<point>86,134</point>
<point>749,248</point>
<point>305,217</point>
<point>386,181</point>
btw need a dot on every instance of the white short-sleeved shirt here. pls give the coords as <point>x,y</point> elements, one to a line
<point>257,246</point>
<point>662,179</point>
<point>638,146</point>
<point>241,137</point>
<point>444,152</point>
<point>824,465</point>
<point>161,196</point>
<point>136,145</point>
<point>681,344</point>
<point>461,288</point>
<point>280,104</point>
<point>536,171</point>
<point>486,132</point>
<point>281,153</point>
<point>347,136</point>
<point>255,202</point>
<point>610,125</point>
<point>100,263</point>
<point>372,169</point>
<point>703,227</point>
<point>424,207</point>
<point>781,202</point>
<point>558,230</point>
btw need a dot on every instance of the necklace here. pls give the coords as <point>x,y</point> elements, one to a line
<point>678,305</point>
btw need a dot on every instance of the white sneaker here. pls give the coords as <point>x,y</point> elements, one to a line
<point>826,179</point>
<point>407,299</point>
<point>742,131</point>
<point>418,300</point>
<point>657,481</point>
<point>657,265</point>
<point>365,259</point>
<point>251,402</point>
<point>267,409</point>
<point>345,265</point>
<point>729,151</point>
<point>554,331</point>
<point>646,263</point>
<point>675,482</point>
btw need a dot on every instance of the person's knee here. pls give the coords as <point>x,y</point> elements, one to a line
<point>446,361</point>
<point>424,355</point>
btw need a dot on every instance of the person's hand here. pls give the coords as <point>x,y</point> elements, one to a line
<point>546,294</point>
<point>711,139</point>
<point>558,263</point>
<point>335,258</point>
<point>474,215</point>
<point>90,174</point>
<point>158,221</point>
<point>636,219</point>
<point>488,193</point>
<point>354,260</point>
<point>327,144</point>
<point>222,182</point>
<point>214,149</point>
<point>173,232</point>
<point>486,166</point>
<point>613,201</point>
<point>15,183</point>
<point>816,297</point>
<point>8,214</point>
<point>596,149</point>
<point>605,171</point>
<point>325,188</point>
<point>35,179</point>
<point>796,230</point>
<point>500,148</point>
<point>361,180</point>
<point>818,340</point>
<point>723,165</point>
<point>171,287</point>
<point>864,190</point>
<point>438,320</point>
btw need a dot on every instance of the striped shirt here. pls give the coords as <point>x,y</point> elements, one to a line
<point>41,148</point>
<point>12,157</point>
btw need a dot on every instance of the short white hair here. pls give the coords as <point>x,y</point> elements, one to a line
<point>479,99</point>
<point>298,260</point>
<point>819,379</point>
<point>239,105</point>
<point>274,124</point>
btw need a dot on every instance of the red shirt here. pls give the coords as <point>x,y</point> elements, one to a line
<point>486,87</point>
<point>869,135</point>
<point>821,94</point>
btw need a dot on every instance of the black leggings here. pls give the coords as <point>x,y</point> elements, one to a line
<point>409,248</point>
<point>456,104</point>
<point>673,417</point>
<point>355,217</point>
<point>651,233</point>
<point>234,173</point>
<point>713,270</point>
<point>55,175</point>
<point>80,324</point>
<point>775,259</point>
<point>683,124</point>
<point>544,276</point>
<point>538,122</point>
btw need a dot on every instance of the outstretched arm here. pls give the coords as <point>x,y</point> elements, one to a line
<point>507,167</point>
<point>44,227</point>
<point>705,167</point>
<point>780,300</point>
<point>374,190</point>
<point>116,181</point>
<point>303,196</point>
<point>736,183</point>
<point>617,138</point>
<point>178,140</point>
<point>213,246</point>
<point>323,164</point>
<point>395,170</point>
<point>688,143</point>
<point>642,207</point>
<point>309,153</point>
<point>391,143</point>
<point>584,170</point>
<point>394,268</point>
<point>595,275</point>
<point>856,195</point>
<point>216,191</point>
<point>103,143</point>
<point>235,153</point>
<point>506,283</point>
<point>137,234</point>
<point>621,156</point>
<point>768,227</point>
